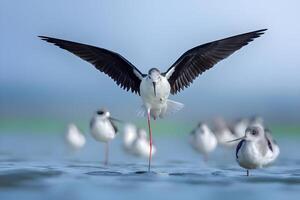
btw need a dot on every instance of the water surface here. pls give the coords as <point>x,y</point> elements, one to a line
<point>41,167</point>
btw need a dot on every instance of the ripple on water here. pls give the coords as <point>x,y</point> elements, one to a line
<point>14,178</point>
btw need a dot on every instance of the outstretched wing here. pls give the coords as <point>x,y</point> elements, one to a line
<point>203,57</point>
<point>114,65</point>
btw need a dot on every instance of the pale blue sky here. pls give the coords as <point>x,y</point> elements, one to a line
<point>261,78</point>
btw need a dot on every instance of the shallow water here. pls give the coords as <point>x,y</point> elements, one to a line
<point>41,167</point>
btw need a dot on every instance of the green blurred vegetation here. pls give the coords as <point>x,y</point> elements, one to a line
<point>160,127</point>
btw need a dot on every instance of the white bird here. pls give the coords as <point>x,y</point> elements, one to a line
<point>223,133</point>
<point>203,140</point>
<point>254,150</point>
<point>135,141</point>
<point>74,138</point>
<point>140,146</point>
<point>240,126</point>
<point>129,135</point>
<point>155,87</point>
<point>103,129</point>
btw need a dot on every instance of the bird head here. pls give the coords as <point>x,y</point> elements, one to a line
<point>254,133</point>
<point>155,76</point>
<point>103,113</point>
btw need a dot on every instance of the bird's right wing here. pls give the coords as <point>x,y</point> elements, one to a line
<point>114,65</point>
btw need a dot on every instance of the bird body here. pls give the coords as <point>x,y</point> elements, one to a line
<point>129,135</point>
<point>240,126</point>
<point>203,139</point>
<point>254,150</point>
<point>140,146</point>
<point>135,141</point>
<point>103,129</point>
<point>74,138</point>
<point>223,133</point>
<point>157,103</point>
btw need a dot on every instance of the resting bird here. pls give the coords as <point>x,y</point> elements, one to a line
<point>103,129</point>
<point>74,138</point>
<point>255,150</point>
<point>155,86</point>
<point>203,140</point>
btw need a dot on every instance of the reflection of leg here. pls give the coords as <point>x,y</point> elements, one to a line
<point>248,172</point>
<point>106,153</point>
<point>150,136</point>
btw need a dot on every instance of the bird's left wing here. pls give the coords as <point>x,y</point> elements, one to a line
<point>238,147</point>
<point>201,58</point>
<point>114,65</point>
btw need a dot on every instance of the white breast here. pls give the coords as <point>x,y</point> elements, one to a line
<point>141,147</point>
<point>102,130</point>
<point>74,137</point>
<point>162,93</point>
<point>249,156</point>
<point>204,143</point>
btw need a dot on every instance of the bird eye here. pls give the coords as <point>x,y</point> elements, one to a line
<point>100,112</point>
<point>254,132</point>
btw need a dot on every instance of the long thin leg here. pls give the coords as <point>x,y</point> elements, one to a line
<point>150,136</point>
<point>247,172</point>
<point>106,153</point>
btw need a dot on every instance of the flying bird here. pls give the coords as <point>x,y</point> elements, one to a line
<point>156,86</point>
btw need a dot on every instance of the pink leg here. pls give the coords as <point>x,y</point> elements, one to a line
<point>106,153</point>
<point>150,136</point>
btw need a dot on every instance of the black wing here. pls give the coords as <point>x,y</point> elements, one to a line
<point>114,65</point>
<point>114,126</point>
<point>203,57</point>
<point>238,148</point>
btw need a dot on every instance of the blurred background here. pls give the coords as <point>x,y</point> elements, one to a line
<point>43,87</point>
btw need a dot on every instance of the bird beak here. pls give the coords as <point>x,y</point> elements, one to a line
<point>116,120</point>
<point>154,87</point>
<point>238,139</point>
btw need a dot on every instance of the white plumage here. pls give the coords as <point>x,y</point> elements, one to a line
<point>255,150</point>
<point>74,138</point>
<point>136,142</point>
<point>103,129</point>
<point>203,140</point>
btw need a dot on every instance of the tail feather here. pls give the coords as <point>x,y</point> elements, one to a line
<point>172,107</point>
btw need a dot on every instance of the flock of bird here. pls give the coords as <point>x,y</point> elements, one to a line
<point>155,87</point>
<point>252,140</point>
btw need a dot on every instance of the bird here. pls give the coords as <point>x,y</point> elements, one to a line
<point>129,135</point>
<point>254,150</point>
<point>140,145</point>
<point>223,133</point>
<point>239,127</point>
<point>155,87</point>
<point>74,138</point>
<point>135,141</point>
<point>257,120</point>
<point>203,140</point>
<point>103,129</point>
